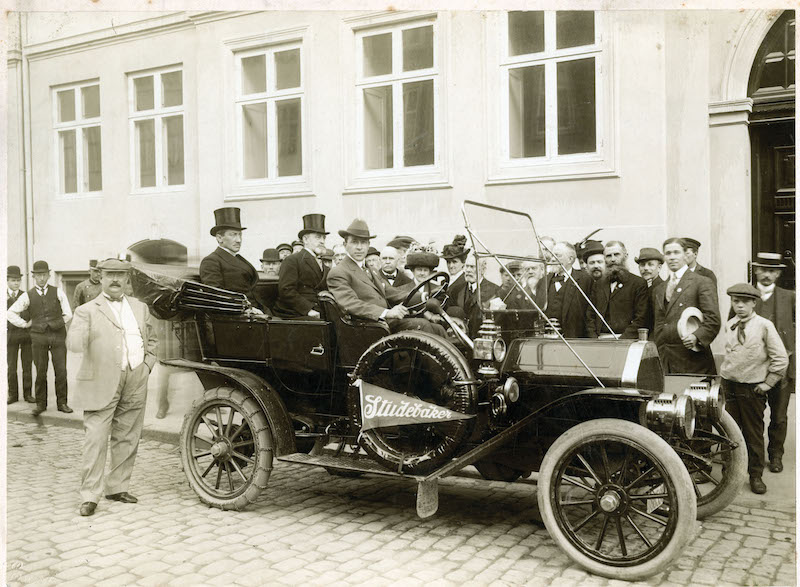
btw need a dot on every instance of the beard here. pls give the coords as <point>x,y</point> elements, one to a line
<point>616,272</point>
<point>596,273</point>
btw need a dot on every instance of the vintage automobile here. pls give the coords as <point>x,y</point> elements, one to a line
<point>623,468</point>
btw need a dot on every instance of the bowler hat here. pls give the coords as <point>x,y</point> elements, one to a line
<point>270,256</point>
<point>284,246</point>
<point>744,290</point>
<point>93,264</point>
<point>649,254</point>
<point>771,260</point>
<point>40,267</point>
<point>422,259</point>
<point>327,255</point>
<point>373,251</point>
<point>313,223</point>
<point>401,242</point>
<point>114,264</point>
<point>227,218</point>
<point>690,320</point>
<point>14,271</point>
<point>588,248</point>
<point>359,229</point>
<point>691,242</point>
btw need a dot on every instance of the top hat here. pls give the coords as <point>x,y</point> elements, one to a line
<point>771,260</point>
<point>649,254</point>
<point>313,223</point>
<point>373,251</point>
<point>744,290</point>
<point>114,264</point>
<point>588,248</point>
<point>93,264</point>
<point>227,218</point>
<point>284,246</point>
<point>691,242</point>
<point>401,242</point>
<point>359,229</point>
<point>14,271</point>
<point>690,320</point>
<point>270,256</point>
<point>40,267</point>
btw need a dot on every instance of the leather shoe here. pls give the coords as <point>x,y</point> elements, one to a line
<point>38,410</point>
<point>124,497</point>
<point>776,465</point>
<point>65,408</point>
<point>757,485</point>
<point>162,413</point>
<point>30,399</point>
<point>87,508</point>
<point>12,400</point>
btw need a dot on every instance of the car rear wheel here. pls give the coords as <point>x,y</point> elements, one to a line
<point>617,499</point>
<point>226,448</point>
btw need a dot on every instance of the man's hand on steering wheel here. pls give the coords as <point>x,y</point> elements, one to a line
<point>398,312</point>
<point>415,310</point>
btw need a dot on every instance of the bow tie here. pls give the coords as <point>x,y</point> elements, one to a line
<point>559,278</point>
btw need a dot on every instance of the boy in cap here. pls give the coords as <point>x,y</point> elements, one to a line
<point>755,362</point>
<point>88,289</point>
<point>18,344</point>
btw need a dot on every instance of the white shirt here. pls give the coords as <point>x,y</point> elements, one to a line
<point>558,284</point>
<point>132,344</point>
<point>23,303</point>
<point>228,250</point>
<point>766,291</point>
<point>679,273</point>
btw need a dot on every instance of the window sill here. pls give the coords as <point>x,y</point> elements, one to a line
<point>264,191</point>
<point>158,191</point>
<point>79,196</point>
<point>564,170</point>
<point>398,182</point>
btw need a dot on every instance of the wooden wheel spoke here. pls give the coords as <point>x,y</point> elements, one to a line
<point>208,468</point>
<point>589,468</point>
<point>694,486</point>
<point>623,469</point>
<point>650,517</point>
<point>228,473</point>
<point>640,478</point>
<point>230,421</point>
<point>606,466</point>
<point>585,520</point>
<point>219,420</point>
<point>200,454</point>
<point>206,440</point>
<point>580,502</point>
<point>709,477</point>
<point>602,535</point>
<point>238,431</point>
<point>213,429</point>
<point>243,443</point>
<point>638,531</point>
<point>648,496</point>
<point>621,536</point>
<point>219,476</point>
<point>240,456</point>
<point>239,470</point>
<point>577,483</point>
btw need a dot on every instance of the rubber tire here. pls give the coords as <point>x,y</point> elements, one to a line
<point>262,453</point>
<point>658,448</point>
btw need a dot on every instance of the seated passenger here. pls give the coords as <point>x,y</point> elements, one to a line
<point>363,294</point>
<point>467,300</point>
<point>303,273</point>
<point>455,254</point>
<point>270,262</point>
<point>389,270</point>
<point>422,261</point>
<point>327,258</point>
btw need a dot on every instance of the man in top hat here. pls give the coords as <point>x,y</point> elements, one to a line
<point>592,259</point>
<point>284,250</point>
<point>455,255</point>
<point>684,352</point>
<point>116,335</point>
<point>564,302</point>
<point>692,249</point>
<point>225,267</point>
<point>88,289</point>
<point>49,311</point>
<point>18,347</point>
<point>270,262</point>
<point>621,297</point>
<point>650,261</point>
<point>303,274</point>
<point>389,271</point>
<point>755,362</point>
<point>363,294</point>
<point>297,246</point>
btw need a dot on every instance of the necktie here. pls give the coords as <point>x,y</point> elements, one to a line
<point>671,285</point>
<point>559,278</point>
<point>319,262</point>
<point>740,334</point>
<point>649,283</point>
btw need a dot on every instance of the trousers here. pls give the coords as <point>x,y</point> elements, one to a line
<point>121,420</point>
<point>778,399</point>
<point>746,406</point>
<point>16,350</point>
<point>52,342</point>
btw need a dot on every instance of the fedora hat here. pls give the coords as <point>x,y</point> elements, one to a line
<point>270,256</point>
<point>649,254</point>
<point>227,218</point>
<point>14,271</point>
<point>770,260</point>
<point>373,251</point>
<point>358,228</point>
<point>313,223</point>
<point>690,320</point>
<point>40,267</point>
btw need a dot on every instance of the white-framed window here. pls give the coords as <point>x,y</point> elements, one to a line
<point>156,115</point>
<point>76,112</point>
<point>398,125</point>
<point>553,104</point>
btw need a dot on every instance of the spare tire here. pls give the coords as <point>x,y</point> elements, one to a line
<point>424,368</point>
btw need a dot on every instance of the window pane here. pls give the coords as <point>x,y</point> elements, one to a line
<point>378,55</point>
<point>146,152</point>
<point>378,136</point>
<point>173,130</point>
<point>418,48</point>
<point>526,106</point>
<point>525,32</point>
<point>69,167</point>
<point>143,90</point>
<point>172,88</point>
<point>287,69</point>
<point>574,28</point>
<point>66,106</point>
<point>254,140</point>
<point>577,126</point>
<point>418,123</point>
<point>91,101</point>
<point>290,152</point>
<point>254,74</point>
<point>92,173</point>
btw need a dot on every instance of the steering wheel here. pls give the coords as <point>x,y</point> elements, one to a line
<point>440,294</point>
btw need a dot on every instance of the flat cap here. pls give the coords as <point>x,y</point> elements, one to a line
<point>649,254</point>
<point>690,242</point>
<point>113,264</point>
<point>744,290</point>
<point>284,246</point>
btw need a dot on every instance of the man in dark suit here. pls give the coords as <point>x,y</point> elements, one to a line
<point>621,297</point>
<point>692,250</point>
<point>18,344</point>
<point>690,353</point>
<point>476,288</point>
<point>592,259</point>
<point>303,274</point>
<point>565,302</point>
<point>650,261</point>
<point>389,272</point>
<point>225,267</point>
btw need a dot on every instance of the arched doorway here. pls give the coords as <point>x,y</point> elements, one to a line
<point>772,138</point>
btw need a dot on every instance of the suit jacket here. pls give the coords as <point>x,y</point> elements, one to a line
<point>626,309</point>
<point>15,333</point>
<point>221,269</point>
<point>96,333</point>
<point>572,316</point>
<point>300,280</point>
<point>361,292</point>
<point>706,272</point>
<point>468,301</point>
<point>692,290</point>
<point>400,279</point>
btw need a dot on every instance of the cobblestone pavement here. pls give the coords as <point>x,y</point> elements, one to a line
<point>311,528</point>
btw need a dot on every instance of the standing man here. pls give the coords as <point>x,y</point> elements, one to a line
<point>620,296</point>
<point>373,259</point>
<point>684,289</point>
<point>116,335</point>
<point>18,344</point>
<point>389,271</point>
<point>297,246</point>
<point>650,261</point>
<point>49,313</point>
<point>339,253</point>
<point>271,262</point>
<point>303,274</point>
<point>284,250</point>
<point>477,288</point>
<point>564,302</point>
<point>594,259</point>
<point>692,249</point>
<point>88,289</point>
